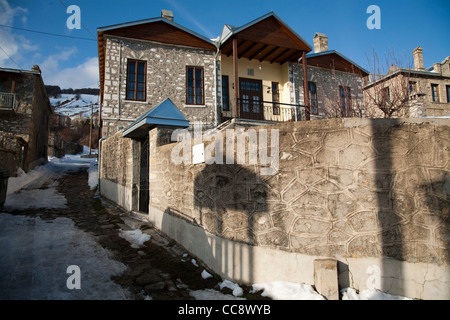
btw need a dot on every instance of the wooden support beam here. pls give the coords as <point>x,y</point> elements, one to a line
<point>268,54</point>
<point>280,55</point>
<point>258,51</point>
<point>236,78</point>
<point>305,84</point>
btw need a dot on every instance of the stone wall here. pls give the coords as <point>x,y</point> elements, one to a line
<point>371,193</point>
<point>12,152</point>
<point>166,78</point>
<point>327,83</point>
<point>344,188</point>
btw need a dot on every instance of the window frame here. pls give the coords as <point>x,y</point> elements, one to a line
<point>226,93</point>
<point>435,97</point>
<point>135,90</point>
<point>346,103</point>
<point>276,98</point>
<point>447,89</point>
<point>195,87</point>
<point>311,95</point>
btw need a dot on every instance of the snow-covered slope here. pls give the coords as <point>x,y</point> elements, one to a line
<point>75,105</point>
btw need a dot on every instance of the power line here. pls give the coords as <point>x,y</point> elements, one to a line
<point>10,58</point>
<point>47,33</point>
<point>81,23</point>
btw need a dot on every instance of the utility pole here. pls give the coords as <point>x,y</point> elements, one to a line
<point>90,130</point>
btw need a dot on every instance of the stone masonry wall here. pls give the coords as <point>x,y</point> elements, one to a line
<point>327,84</point>
<point>166,78</point>
<point>345,188</point>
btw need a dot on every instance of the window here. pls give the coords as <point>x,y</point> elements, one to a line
<point>276,98</point>
<point>195,85</point>
<point>313,97</point>
<point>435,92</point>
<point>448,93</point>
<point>412,87</point>
<point>225,94</point>
<point>136,80</point>
<point>346,100</point>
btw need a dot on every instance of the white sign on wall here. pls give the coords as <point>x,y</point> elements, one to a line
<point>198,153</point>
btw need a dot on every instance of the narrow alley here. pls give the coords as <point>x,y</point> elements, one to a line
<point>108,246</point>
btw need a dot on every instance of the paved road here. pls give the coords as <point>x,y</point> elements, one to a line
<point>159,269</point>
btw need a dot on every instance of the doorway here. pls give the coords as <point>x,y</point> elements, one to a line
<point>144,190</point>
<point>251,99</point>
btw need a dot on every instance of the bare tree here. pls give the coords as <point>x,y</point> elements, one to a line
<point>388,87</point>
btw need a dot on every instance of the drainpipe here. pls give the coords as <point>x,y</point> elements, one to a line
<point>120,76</point>
<point>216,122</point>
<point>99,162</point>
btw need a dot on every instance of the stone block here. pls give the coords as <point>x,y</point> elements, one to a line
<point>326,278</point>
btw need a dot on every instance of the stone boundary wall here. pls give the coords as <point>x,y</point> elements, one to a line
<point>371,193</point>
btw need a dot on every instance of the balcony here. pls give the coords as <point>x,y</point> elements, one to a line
<point>252,109</point>
<point>8,102</point>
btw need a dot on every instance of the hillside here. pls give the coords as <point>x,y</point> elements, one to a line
<point>74,105</point>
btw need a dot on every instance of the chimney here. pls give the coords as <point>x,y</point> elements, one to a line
<point>320,42</point>
<point>418,59</point>
<point>36,68</point>
<point>167,14</point>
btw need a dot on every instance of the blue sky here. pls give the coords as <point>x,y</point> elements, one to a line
<point>73,63</point>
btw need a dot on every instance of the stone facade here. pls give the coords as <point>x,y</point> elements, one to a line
<point>166,78</point>
<point>327,83</point>
<point>30,120</point>
<point>418,83</point>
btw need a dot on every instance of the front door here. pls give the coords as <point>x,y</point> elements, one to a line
<point>144,195</point>
<point>251,106</point>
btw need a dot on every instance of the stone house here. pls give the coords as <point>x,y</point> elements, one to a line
<point>24,119</point>
<point>426,90</point>
<point>261,72</point>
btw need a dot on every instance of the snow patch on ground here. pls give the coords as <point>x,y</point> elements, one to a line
<point>282,290</point>
<point>369,294</point>
<point>37,188</point>
<point>135,237</point>
<point>237,290</point>
<point>36,254</point>
<point>211,294</point>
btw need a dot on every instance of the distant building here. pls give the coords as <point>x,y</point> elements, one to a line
<point>427,90</point>
<point>24,119</point>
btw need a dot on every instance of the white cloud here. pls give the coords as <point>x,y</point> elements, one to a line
<point>13,45</point>
<point>84,75</point>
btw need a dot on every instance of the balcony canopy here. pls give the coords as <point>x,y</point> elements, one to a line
<point>267,38</point>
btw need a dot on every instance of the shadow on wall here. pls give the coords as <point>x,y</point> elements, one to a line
<point>413,216</point>
<point>229,198</point>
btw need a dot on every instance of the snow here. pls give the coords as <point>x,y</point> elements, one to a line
<point>369,294</point>
<point>36,254</point>
<point>282,290</point>
<point>37,188</point>
<point>211,294</point>
<point>135,237</point>
<point>206,274</point>
<point>75,105</point>
<point>237,290</point>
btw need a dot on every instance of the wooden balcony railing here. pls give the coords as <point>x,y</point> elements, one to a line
<point>271,111</point>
